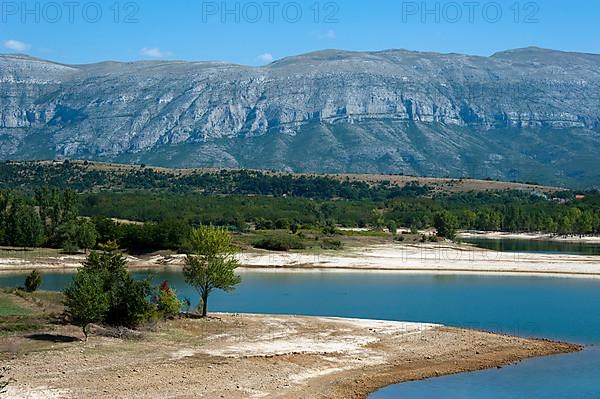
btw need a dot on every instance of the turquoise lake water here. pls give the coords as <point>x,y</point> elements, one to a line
<point>535,246</point>
<point>558,308</point>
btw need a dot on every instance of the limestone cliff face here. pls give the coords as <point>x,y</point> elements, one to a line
<point>405,107</point>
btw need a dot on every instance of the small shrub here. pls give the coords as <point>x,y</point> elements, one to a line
<point>335,245</point>
<point>187,304</point>
<point>33,281</point>
<point>279,242</point>
<point>392,227</point>
<point>167,303</point>
<point>282,224</point>
<point>294,228</point>
<point>264,224</point>
<point>329,228</point>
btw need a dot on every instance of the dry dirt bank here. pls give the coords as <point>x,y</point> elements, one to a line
<point>249,356</point>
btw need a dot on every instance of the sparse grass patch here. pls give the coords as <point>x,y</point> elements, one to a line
<point>366,233</point>
<point>22,312</point>
<point>408,238</point>
<point>9,308</point>
<point>9,327</point>
<point>27,253</point>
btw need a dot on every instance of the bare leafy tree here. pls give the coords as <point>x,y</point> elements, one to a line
<point>212,263</point>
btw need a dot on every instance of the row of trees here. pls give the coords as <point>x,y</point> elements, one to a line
<point>509,218</point>
<point>104,292</point>
<point>48,218</point>
<point>53,218</point>
<point>508,211</point>
<point>560,220</point>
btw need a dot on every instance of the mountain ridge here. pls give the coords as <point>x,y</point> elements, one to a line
<point>390,111</point>
<point>518,50</point>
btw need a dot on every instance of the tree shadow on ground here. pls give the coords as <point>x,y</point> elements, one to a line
<point>55,338</point>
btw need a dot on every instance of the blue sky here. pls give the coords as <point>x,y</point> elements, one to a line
<point>256,32</point>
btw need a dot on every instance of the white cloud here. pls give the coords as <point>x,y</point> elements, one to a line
<point>330,35</point>
<point>155,52</point>
<point>266,57</point>
<point>16,45</point>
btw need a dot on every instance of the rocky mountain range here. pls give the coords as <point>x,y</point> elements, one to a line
<point>527,114</point>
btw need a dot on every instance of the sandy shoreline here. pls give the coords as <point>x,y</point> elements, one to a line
<point>418,258</point>
<point>256,356</point>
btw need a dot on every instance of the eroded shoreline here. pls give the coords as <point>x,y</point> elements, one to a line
<point>437,258</point>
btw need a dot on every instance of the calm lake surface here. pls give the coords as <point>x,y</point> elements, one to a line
<point>536,246</point>
<point>558,308</point>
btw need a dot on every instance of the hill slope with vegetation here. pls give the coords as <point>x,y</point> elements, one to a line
<point>93,176</point>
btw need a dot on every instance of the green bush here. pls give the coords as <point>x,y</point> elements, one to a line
<point>392,227</point>
<point>332,244</point>
<point>167,303</point>
<point>282,224</point>
<point>33,281</point>
<point>329,228</point>
<point>104,292</point>
<point>279,242</point>
<point>294,228</point>
<point>264,224</point>
<point>130,303</point>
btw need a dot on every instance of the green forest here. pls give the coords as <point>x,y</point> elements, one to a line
<point>65,219</point>
<point>69,207</point>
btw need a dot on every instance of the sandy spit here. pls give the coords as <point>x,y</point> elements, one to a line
<point>259,356</point>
